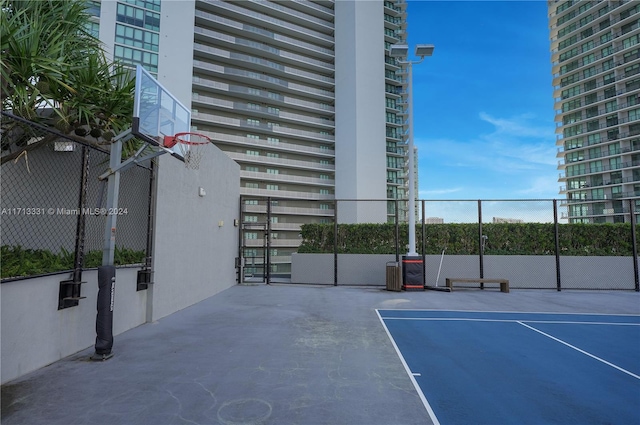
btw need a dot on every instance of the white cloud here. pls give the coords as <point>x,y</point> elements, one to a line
<point>516,158</point>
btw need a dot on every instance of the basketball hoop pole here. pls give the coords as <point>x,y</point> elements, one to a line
<point>107,272</point>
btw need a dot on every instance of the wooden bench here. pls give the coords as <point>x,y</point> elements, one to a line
<point>504,283</point>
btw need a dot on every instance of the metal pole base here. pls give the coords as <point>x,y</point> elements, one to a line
<point>438,288</point>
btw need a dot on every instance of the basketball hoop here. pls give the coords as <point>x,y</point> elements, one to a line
<point>190,146</point>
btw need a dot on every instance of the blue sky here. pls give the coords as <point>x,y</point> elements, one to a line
<point>483,103</point>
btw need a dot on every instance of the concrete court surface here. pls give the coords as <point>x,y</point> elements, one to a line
<point>278,354</point>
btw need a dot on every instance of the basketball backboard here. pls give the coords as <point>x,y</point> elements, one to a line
<point>156,112</point>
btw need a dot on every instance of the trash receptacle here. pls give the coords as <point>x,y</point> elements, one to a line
<point>393,277</point>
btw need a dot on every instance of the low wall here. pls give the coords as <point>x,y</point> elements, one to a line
<point>523,271</point>
<point>195,245</point>
<point>35,333</point>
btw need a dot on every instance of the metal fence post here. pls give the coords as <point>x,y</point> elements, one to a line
<point>78,261</point>
<point>267,254</point>
<point>397,219</point>
<point>480,242</point>
<point>335,244</point>
<point>556,236</point>
<point>424,248</point>
<point>634,244</point>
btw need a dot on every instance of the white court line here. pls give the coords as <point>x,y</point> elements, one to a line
<point>426,404</point>
<point>468,319</point>
<point>581,351</point>
<point>511,312</point>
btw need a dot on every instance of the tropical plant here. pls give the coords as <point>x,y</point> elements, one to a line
<point>55,72</point>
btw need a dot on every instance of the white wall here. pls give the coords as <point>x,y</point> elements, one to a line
<point>35,333</point>
<point>194,257</point>
<point>360,107</point>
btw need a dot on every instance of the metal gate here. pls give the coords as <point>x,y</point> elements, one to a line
<point>252,264</point>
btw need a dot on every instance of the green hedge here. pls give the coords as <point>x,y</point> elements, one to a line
<point>16,261</point>
<point>462,239</point>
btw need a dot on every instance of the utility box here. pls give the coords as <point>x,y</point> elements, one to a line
<point>393,277</point>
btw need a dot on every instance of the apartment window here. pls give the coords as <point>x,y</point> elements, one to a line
<point>610,92</point>
<point>251,202</point>
<point>606,51</point>
<point>629,56</point>
<point>324,177</point>
<point>632,85</point>
<point>252,136</point>
<point>568,42</point>
<point>272,155</point>
<point>593,125</point>
<point>590,85</point>
<point>571,118</point>
<point>605,24</point>
<point>573,91</point>
<point>572,131</point>
<point>569,54</point>
<point>573,143</point>
<point>273,95</point>
<point>587,46</point>
<point>631,70</point>
<point>612,120</point>
<point>609,78</point>
<point>274,220</point>
<point>132,56</point>
<point>572,104</point>
<point>633,100</point>
<point>631,41</point>
<point>137,37</point>
<point>272,110</point>
<point>251,185</point>
<point>324,191</point>
<point>253,122</point>
<point>585,33</point>
<point>590,98</point>
<point>251,235</point>
<point>250,218</point>
<point>272,171</point>
<point>253,91</point>
<point>614,148</point>
<point>251,168</point>
<point>566,30</point>
<point>272,187</point>
<point>611,106</point>
<point>568,80</point>
<point>138,17</point>
<point>325,207</point>
<point>574,156</point>
<point>324,162</point>
<point>584,21</point>
<point>591,112</point>
<point>273,124</point>
<point>569,67</point>
<point>588,59</point>
<point>589,72</point>
<point>608,64</point>
<point>252,152</point>
<point>597,194</point>
<point>634,114</point>
<point>253,106</point>
<point>593,139</point>
<point>273,140</point>
<point>605,38</point>
<point>576,183</point>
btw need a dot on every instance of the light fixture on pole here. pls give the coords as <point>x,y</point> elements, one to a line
<point>401,51</point>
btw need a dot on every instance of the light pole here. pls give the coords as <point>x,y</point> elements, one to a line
<point>399,51</point>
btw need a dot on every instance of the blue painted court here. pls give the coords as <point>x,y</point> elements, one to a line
<point>521,368</point>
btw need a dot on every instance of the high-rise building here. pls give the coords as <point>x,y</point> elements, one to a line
<point>596,78</point>
<point>302,94</point>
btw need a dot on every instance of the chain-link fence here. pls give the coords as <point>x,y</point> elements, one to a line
<point>524,241</point>
<point>53,208</point>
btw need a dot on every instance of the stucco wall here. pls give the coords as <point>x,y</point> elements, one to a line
<point>523,271</point>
